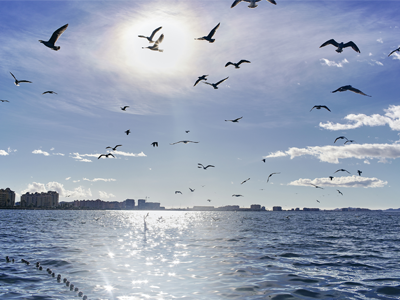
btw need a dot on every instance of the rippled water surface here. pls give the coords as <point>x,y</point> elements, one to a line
<point>200,255</point>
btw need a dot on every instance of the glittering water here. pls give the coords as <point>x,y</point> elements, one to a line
<point>201,255</point>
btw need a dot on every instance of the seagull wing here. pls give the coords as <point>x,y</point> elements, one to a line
<point>236,2</point>
<point>238,119</point>
<point>24,81</point>
<point>228,63</point>
<point>154,32</point>
<point>243,61</point>
<point>209,166</point>
<point>352,45</point>
<point>398,49</point>
<point>272,1</point>
<point>313,107</point>
<point>13,76</point>
<point>101,156</point>
<point>160,39</point>
<point>111,154</point>
<point>221,81</point>
<point>212,32</point>
<point>357,91</point>
<point>176,143</point>
<point>330,42</point>
<point>197,81</point>
<point>326,107</point>
<point>56,34</point>
<point>108,147</point>
<point>207,83</point>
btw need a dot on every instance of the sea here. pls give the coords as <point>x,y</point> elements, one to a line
<point>140,255</point>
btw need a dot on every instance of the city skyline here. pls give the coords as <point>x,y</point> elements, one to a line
<point>53,141</point>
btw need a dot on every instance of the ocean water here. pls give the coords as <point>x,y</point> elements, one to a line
<point>200,255</point>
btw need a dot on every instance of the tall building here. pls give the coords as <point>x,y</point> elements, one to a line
<point>7,198</point>
<point>40,200</point>
<point>277,208</point>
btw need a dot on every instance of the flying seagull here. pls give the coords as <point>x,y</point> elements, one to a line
<point>235,195</point>
<point>252,3</point>
<point>54,37</point>
<point>4,101</point>
<point>245,180</point>
<point>349,88</point>
<point>127,131</point>
<point>200,79</point>
<point>124,108</point>
<point>187,131</point>
<point>185,142</point>
<point>349,141</point>
<point>154,144</point>
<point>236,64</point>
<point>320,106</point>
<point>215,85</point>
<point>106,155</point>
<point>49,92</point>
<point>398,50</point>
<point>209,200</point>
<point>154,47</point>
<point>178,192</point>
<point>264,160</point>
<point>235,120</point>
<point>340,137</point>
<point>359,172</point>
<point>341,170</point>
<point>115,148</point>
<point>340,192</point>
<point>331,177</point>
<point>16,82</point>
<point>150,38</point>
<point>205,168</point>
<point>210,35</point>
<point>318,187</point>
<point>271,175</point>
<point>192,190</point>
<point>318,201</point>
<point>341,45</point>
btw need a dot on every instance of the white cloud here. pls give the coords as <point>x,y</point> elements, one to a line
<point>100,179</point>
<point>332,154</point>
<point>9,150</point>
<point>52,149</point>
<point>68,178</point>
<point>104,195</point>
<point>380,40</point>
<point>79,157</point>
<point>3,152</point>
<point>331,63</point>
<point>391,118</point>
<point>75,181</point>
<point>78,192</point>
<point>61,154</point>
<point>141,154</point>
<point>40,152</point>
<point>344,181</point>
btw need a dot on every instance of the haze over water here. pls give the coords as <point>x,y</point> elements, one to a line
<point>201,255</point>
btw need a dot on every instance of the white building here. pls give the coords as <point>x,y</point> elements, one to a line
<point>40,200</point>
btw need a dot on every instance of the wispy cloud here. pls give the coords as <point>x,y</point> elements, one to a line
<point>68,178</point>
<point>332,154</point>
<point>9,150</point>
<point>3,152</point>
<point>79,192</point>
<point>141,154</point>
<point>391,118</point>
<point>100,179</point>
<point>104,195</point>
<point>40,152</point>
<point>80,157</point>
<point>331,63</point>
<point>61,154</point>
<point>345,181</point>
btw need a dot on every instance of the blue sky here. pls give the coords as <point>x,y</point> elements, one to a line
<point>51,142</point>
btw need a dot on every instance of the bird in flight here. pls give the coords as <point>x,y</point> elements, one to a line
<point>398,50</point>
<point>210,35</point>
<point>349,88</point>
<point>185,142</point>
<point>49,92</point>
<point>359,172</point>
<point>178,192</point>
<point>236,64</point>
<point>320,106</point>
<point>235,195</point>
<point>340,137</point>
<point>341,170</point>
<point>252,3</point>
<point>16,82</point>
<point>209,200</point>
<point>341,45</point>
<point>200,79</point>
<point>318,201</point>
<point>4,101</point>
<point>318,187</point>
<point>264,160</point>
<point>124,108</point>
<point>192,190</point>
<point>215,85</point>
<point>340,192</point>
<point>235,120</point>
<point>106,155</point>
<point>331,177</point>
<point>245,180</point>
<point>115,148</point>
<point>154,47</point>
<point>127,131</point>
<point>205,168</point>
<point>187,131</point>
<point>349,141</point>
<point>154,144</point>
<point>54,37</point>
<point>150,38</point>
<point>271,175</point>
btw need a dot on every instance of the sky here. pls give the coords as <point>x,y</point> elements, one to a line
<point>53,141</point>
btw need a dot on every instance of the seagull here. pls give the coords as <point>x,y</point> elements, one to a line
<point>150,38</point>
<point>264,160</point>
<point>245,180</point>
<point>178,192</point>
<point>341,45</point>
<point>349,141</point>
<point>359,172</point>
<point>318,201</point>
<point>340,192</point>
<point>271,175</point>
<point>209,200</point>
<point>154,144</point>
<point>318,187</point>
<point>205,168</point>
<point>127,131</point>
<point>235,195</point>
<point>49,92</point>
<point>210,35</point>
<point>342,170</point>
<point>185,142</point>
<point>340,137</point>
<point>398,50</point>
<point>320,106</point>
<point>331,177</point>
<point>236,64</point>
<point>156,43</point>
<point>192,190</point>
<point>215,85</point>
<point>16,82</point>
<point>106,155</point>
<point>124,108</point>
<point>350,88</point>
<point>252,3</point>
<point>187,131</point>
<point>200,79</point>
<point>4,101</point>
<point>54,37</point>
<point>115,148</point>
<point>235,120</point>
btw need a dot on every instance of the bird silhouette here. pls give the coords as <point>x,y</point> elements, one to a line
<point>272,174</point>
<point>252,3</point>
<point>235,195</point>
<point>237,65</point>
<point>54,37</point>
<point>128,131</point>
<point>341,46</point>
<point>245,180</point>
<point>320,106</point>
<point>398,50</point>
<point>185,142</point>
<point>17,82</point>
<point>234,121</point>
<point>49,92</point>
<point>154,144</point>
<point>318,187</point>
<point>340,137</point>
<point>4,101</point>
<point>359,172</point>
<point>349,88</point>
<point>215,85</point>
<point>209,200</point>
<point>204,167</point>
<point>318,201</point>
<point>124,108</point>
<point>150,38</point>
<point>210,35</point>
<point>200,79</point>
<point>331,177</point>
<point>187,131</point>
<point>340,192</point>
<point>154,47</point>
<point>115,148</point>
<point>178,192</point>
<point>264,160</point>
<point>341,170</point>
<point>349,141</point>
<point>106,155</point>
<point>192,190</point>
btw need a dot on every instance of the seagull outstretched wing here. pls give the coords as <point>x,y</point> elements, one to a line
<point>352,45</point>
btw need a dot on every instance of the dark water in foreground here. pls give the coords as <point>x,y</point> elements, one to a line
<point>201,255</point>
